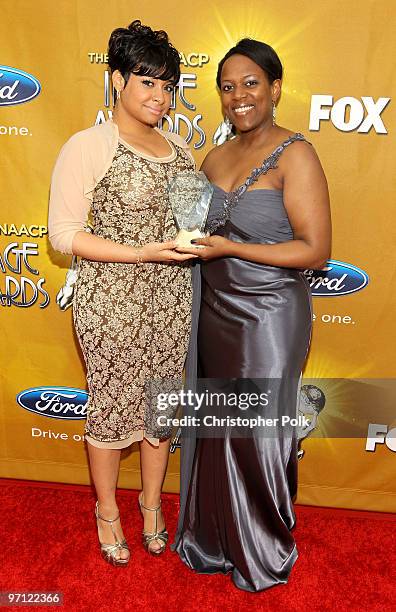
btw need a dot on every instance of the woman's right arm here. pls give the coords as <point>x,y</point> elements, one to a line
<point>68,214</point>
<point>96,248</point>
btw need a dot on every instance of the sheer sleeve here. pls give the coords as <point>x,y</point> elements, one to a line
<point>69,204</point>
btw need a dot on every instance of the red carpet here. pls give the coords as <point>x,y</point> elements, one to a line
<point>48,542</point>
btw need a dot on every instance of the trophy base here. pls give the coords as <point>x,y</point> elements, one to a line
<point>184,238</point>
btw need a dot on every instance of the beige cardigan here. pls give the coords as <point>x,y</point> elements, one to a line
<point>82,163</point>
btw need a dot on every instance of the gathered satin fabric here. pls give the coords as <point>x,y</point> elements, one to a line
<point>255,327</point>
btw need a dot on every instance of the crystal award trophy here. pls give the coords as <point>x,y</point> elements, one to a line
<point>189,196</point>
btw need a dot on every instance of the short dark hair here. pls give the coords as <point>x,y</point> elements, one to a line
<point>140,50</point>
<point>259,52</point>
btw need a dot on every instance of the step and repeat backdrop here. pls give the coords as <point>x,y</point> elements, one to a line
<point>337,90</point>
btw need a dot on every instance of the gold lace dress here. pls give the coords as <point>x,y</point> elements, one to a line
<point>132,320</point>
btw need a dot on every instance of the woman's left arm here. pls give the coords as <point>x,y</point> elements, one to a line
<point>306,200</point>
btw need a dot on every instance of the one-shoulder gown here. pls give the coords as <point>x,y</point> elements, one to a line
<point>255,325</point>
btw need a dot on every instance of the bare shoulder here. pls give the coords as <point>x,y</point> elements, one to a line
<point>299,164</point>
<point>215,157</point>
<point>294,149</point>
<point>299,153</point>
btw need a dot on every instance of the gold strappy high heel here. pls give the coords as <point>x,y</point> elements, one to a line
<point>109,551</point>
<point>161,537</point>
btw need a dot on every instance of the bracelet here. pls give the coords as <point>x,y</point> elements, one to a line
<point>139,259</point>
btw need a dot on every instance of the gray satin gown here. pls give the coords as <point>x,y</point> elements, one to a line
<point>254,327</point>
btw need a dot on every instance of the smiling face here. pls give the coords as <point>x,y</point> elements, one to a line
<point>246,93</point>
<point>144,98</point>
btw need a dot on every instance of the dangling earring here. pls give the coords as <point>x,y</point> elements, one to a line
<point>273,112</point>
<point>228,125</point>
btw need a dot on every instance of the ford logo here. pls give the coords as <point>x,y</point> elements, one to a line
<point>55,402</point>
<point>337,278</point>
<point>16,86</point>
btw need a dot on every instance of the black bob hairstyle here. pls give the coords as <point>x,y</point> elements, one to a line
<point>140,50</point>
<point>260,53</point>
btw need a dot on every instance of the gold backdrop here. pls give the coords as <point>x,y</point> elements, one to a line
<point>337,89</point>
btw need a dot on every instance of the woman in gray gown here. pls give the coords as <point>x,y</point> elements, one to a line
<point>254,329</point>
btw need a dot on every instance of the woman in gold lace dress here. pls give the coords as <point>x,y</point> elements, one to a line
<point>132,307</point>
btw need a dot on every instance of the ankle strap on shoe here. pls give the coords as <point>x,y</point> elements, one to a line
<point>101,517</point>
<point>150,509</point>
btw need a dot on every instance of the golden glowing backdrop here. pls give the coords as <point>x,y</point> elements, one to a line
<point>337,57</point>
